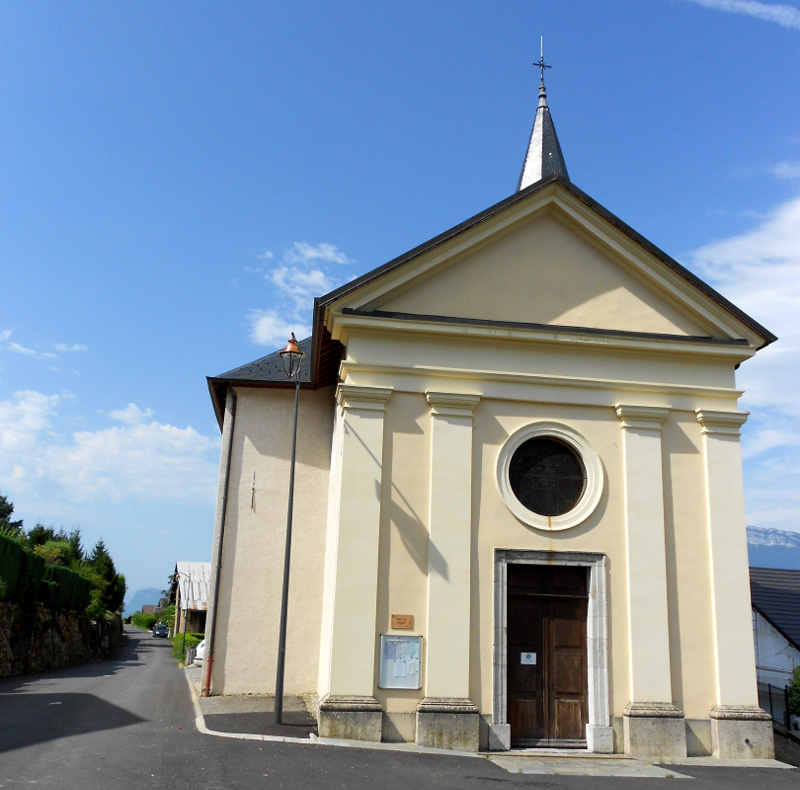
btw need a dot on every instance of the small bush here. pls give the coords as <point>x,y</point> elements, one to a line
<point>143,621</point>
<point>178,650</point>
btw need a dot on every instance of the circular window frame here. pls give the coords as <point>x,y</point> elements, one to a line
<point>591,463</point>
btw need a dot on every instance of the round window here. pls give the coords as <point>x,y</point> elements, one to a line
<point>547,476</point>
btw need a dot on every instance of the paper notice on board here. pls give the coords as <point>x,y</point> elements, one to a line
<point>412,666</point>
<point>390,651</point>
<point>412,651</point>
<point>401,652</point>
<point>399,669</point>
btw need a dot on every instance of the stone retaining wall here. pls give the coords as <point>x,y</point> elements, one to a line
<point>36,639</point>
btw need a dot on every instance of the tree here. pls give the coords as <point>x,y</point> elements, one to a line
<point>112,583</point>
<point>75,544</point>
<point>794,692</point>
<point>8,526</point>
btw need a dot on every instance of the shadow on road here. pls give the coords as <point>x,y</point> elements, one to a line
<point>35,718</point>
<point>127,655</point>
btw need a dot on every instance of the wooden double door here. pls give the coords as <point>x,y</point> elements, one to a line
<point>546,655</point>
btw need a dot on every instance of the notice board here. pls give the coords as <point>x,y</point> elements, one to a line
<point>400,662</point>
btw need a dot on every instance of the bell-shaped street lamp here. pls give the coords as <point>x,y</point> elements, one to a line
<point>292,357</point>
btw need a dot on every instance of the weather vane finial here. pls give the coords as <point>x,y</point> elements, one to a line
<point>540,63</point>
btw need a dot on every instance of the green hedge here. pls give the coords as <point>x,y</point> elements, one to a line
<point>21,572</point>
<point>27,579</point>
<point>65,589</point>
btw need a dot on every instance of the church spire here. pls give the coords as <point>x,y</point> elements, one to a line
<point>544,157</point>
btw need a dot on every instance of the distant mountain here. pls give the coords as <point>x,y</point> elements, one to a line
<point>140,598</point>
<point>773,548</point>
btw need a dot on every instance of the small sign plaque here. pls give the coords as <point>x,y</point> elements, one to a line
<point>527,658</point>
<point>403,622</point>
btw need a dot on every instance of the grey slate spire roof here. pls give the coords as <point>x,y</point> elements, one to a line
<point>544,157</point>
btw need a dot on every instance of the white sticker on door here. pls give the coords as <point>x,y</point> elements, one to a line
<point>527,658</point>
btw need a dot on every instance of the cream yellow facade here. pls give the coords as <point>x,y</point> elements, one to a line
<point>545,317</point>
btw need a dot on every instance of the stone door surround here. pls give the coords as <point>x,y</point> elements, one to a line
<point>599,736</point>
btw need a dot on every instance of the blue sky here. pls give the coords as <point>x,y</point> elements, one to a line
<point>163,167</point>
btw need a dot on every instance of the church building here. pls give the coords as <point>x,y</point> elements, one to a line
<point>519,514</point>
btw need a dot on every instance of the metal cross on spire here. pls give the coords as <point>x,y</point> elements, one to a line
<point>540,63</point>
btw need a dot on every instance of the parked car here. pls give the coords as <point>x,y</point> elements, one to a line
<point>161,630</point>
<point>200,652</point>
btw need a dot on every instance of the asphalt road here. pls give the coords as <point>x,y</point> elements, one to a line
<point>129,723</point>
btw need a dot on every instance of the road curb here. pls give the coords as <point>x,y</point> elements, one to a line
<point>313,740</point>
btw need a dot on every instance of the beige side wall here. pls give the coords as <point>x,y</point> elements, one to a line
<point>525,272</point>
<point>252,561</point>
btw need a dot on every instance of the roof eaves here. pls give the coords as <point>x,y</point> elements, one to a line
<point>678,268</point>
<point>332,296</point>
<point>436,241</point>
<point>575,330</point>
<point>783,633</point>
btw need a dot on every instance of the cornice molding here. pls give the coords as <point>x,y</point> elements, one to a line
<point>343,324</point>
<point>452,404</point>
<point>540,379</point>
<point>723,423</point>
<point>354,396</point>
<point>642,417</point>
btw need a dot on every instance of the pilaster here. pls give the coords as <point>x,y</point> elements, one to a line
<point>446,718</point>
<point>739,728</point>
<point>349,710</point>
<point>653,726</point>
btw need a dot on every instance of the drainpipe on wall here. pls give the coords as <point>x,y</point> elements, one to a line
<point>209,656</point>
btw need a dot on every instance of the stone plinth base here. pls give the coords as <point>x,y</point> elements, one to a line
<point>448,723</point>
<point>351,718</point>
<point>741,733</point>
<point>654,731</point>
<point>499,737</point>
<point>599,739</point>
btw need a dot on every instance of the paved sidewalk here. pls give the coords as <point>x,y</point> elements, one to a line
<point>251,714</point>
<point>252,717</point>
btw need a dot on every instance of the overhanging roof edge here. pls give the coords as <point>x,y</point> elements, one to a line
<point>322,302</point>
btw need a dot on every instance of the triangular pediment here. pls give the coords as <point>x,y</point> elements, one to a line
<point>543,273</point>
<point>550,257</point>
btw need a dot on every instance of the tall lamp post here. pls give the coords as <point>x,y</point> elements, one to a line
<point>291,356</point>
<point>178,575</point>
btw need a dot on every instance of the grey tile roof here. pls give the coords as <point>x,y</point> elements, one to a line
<point>776,597</point>
<point>270,368</point>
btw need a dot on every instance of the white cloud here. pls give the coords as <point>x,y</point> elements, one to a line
<point>783,14</point>
<point>5,334</point>
<point>759,271</point>
<point>140,459</point>
<point>305,271</point>
<point>269,328</point>
<point>787,170</point>
<point>300,286</point>
<point>22,421</point>
<point>300,252</point>
<point>131,414</point>
<point>18,349</point>
<point>67,347</point>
